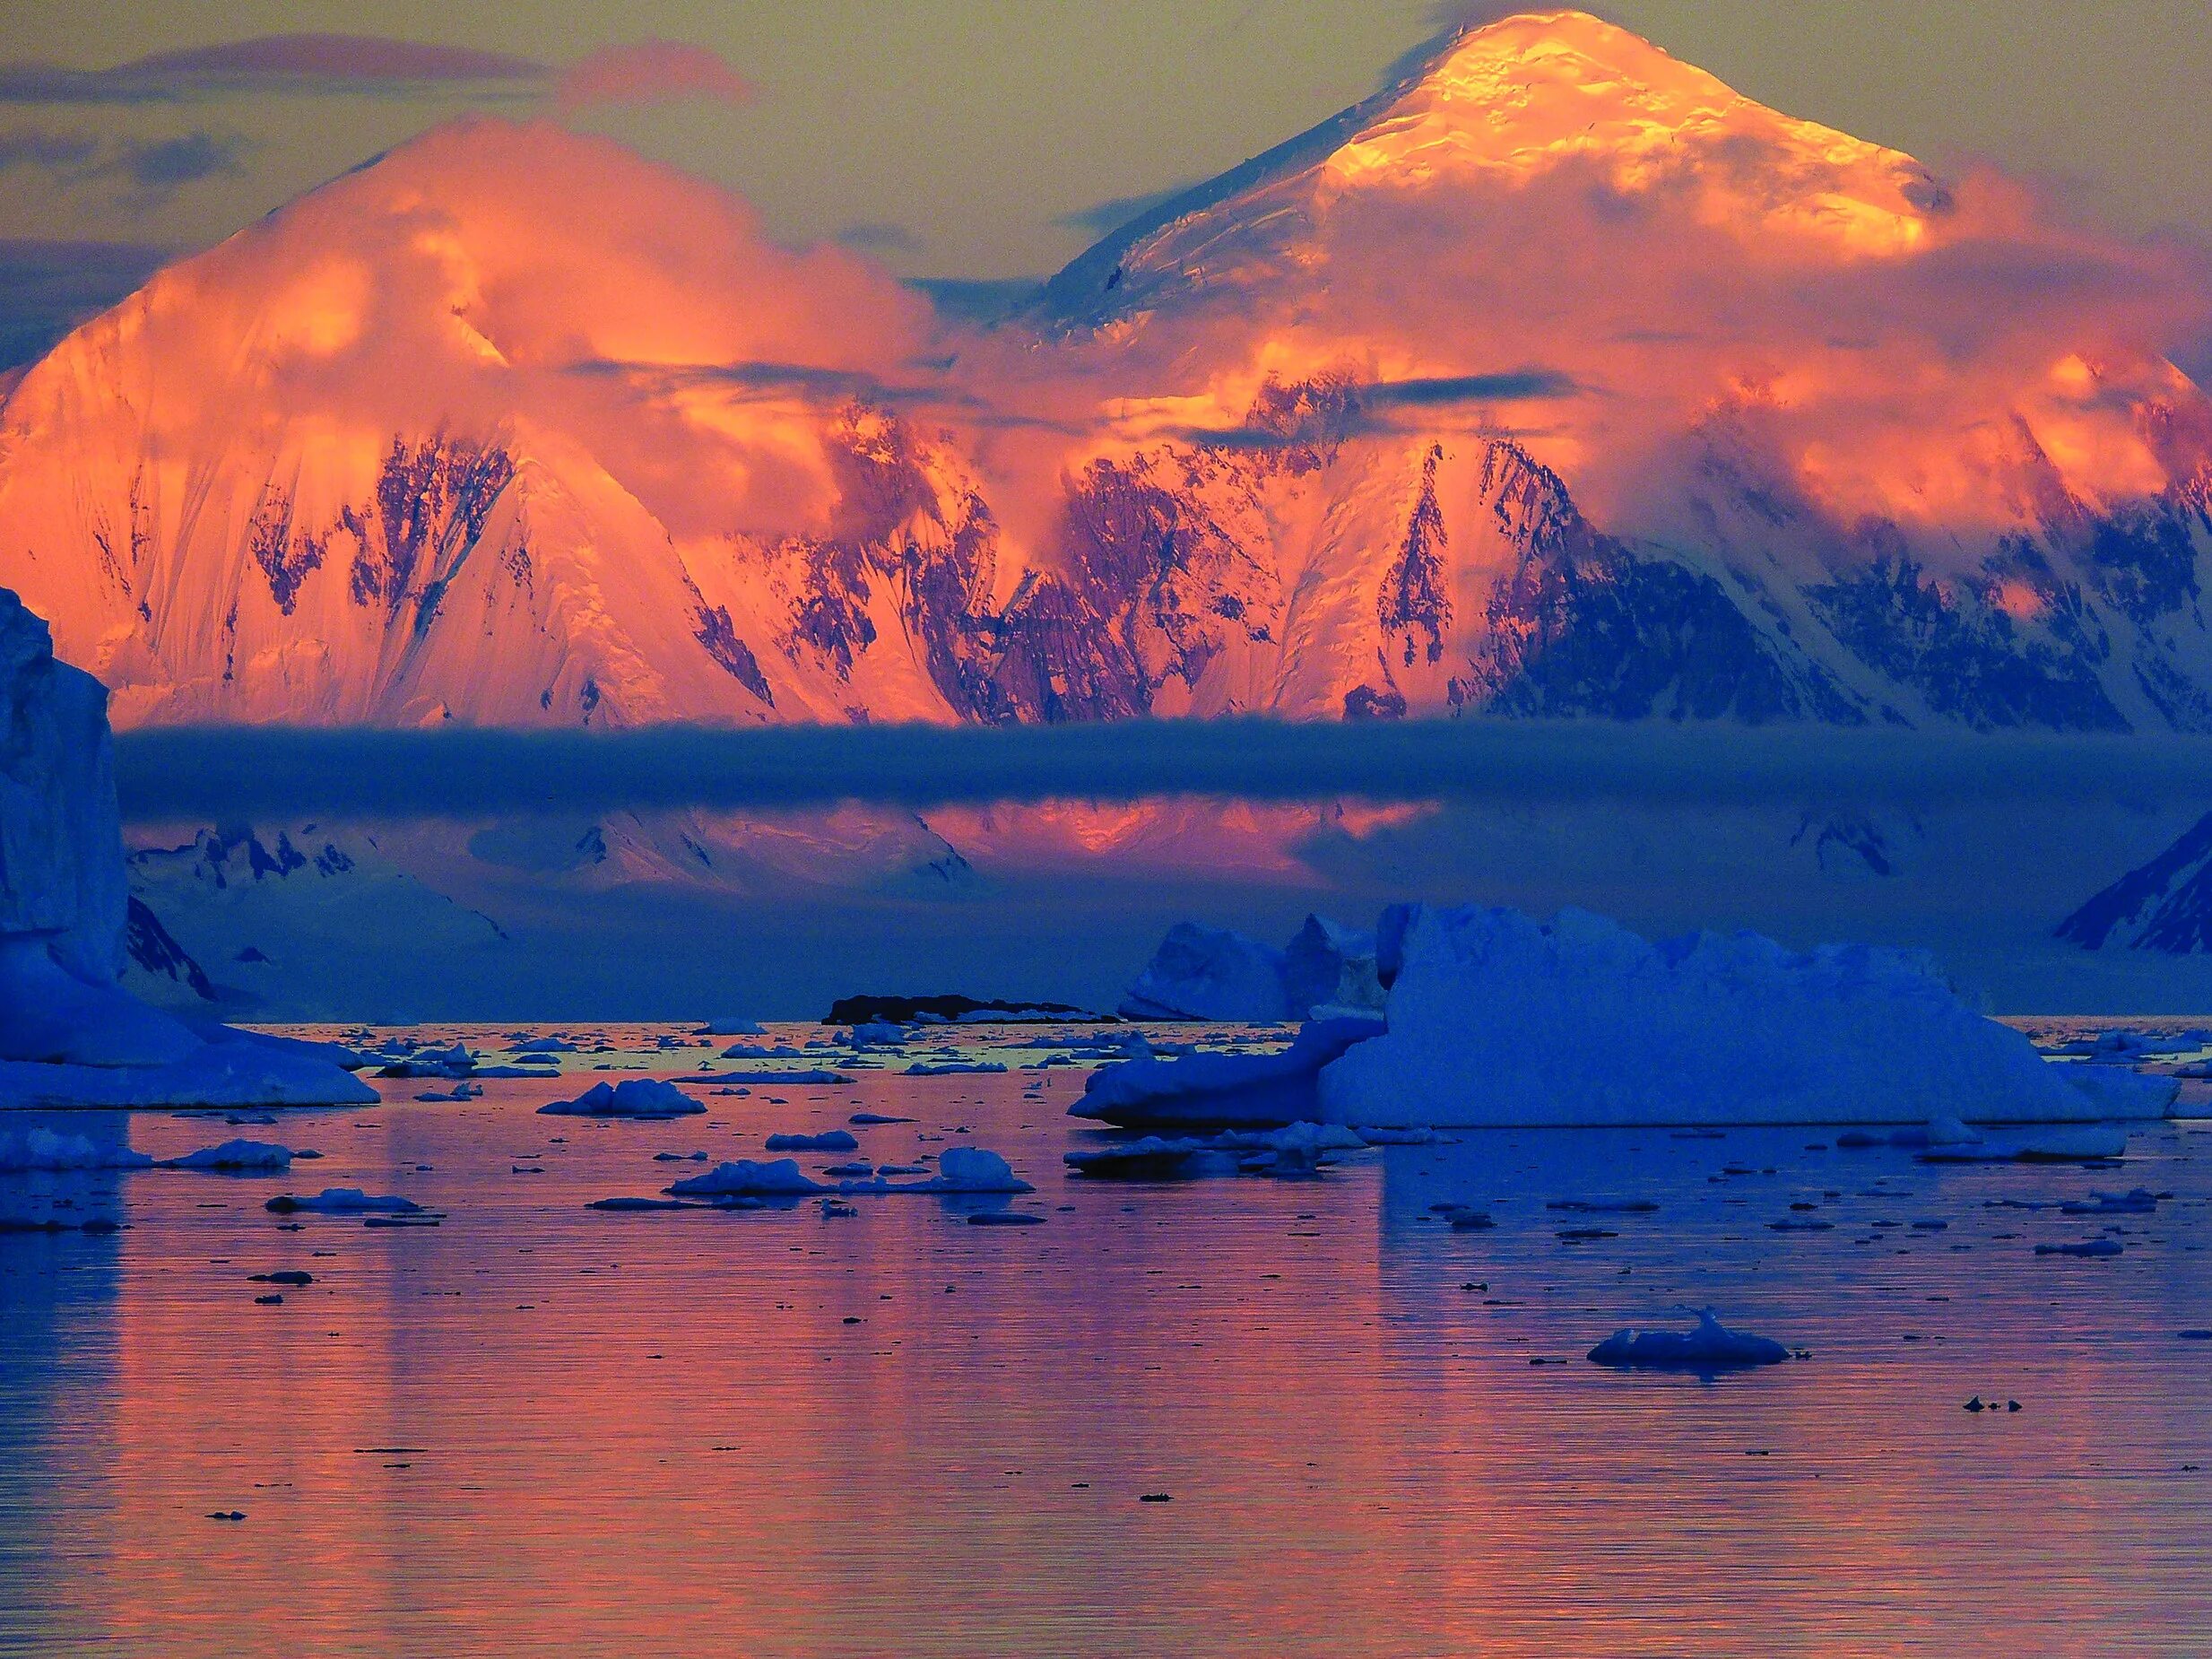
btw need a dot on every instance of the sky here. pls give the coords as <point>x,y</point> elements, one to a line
<point>989,138</point>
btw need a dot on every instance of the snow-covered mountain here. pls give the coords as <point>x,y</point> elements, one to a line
<point>1556,378</point>
<point>2164,905</point>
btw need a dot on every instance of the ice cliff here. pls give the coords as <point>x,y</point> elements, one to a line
<point>69,1034</point>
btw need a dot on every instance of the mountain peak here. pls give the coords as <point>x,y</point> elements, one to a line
<point>1529,94</point>
<point>1473,48</point>
<point>1484,113</point>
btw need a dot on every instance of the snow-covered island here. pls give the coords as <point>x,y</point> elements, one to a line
<point>69,1034</point>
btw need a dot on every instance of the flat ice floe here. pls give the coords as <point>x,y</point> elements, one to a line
<point>236,1156</point>
<point>1498,1019</point>
<point>343,1201</point>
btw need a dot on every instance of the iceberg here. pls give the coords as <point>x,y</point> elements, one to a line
<point>1209,973</point>
<point>1495,1018</point>
<point>70,1034</point>
<point>1332,967</point>
<point>239,1072</point>
<point>1212,973</point>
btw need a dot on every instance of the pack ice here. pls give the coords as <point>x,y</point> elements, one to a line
<point>69,1034</point>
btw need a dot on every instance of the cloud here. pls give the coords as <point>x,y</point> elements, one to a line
<point>1104,218</point>
<point>149,171</point>
<point>298,64</point>
<point>1351,408</point>
<point>44,150</point>
<point>159,167</point>
<point>875,237</point>
<point>255,771</point>
<point>1515,385</point>
<point>649,72</point>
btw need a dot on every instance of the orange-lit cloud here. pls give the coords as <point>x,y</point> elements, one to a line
<point>650,72</point>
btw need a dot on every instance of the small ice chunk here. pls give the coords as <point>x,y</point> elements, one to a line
<point>634,1097</point>
<point>343,1201</point>
<point>2094,1248</point>
<point>1711,1346</point>
<point>238,1155</point>
<point>829,1140</point>
<point>974,1169</point>
<point>744,1177</point>
<point>2141,1201</point>
<point>44,1150</point>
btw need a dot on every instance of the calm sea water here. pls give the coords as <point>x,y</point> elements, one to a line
<point>542,1428</point>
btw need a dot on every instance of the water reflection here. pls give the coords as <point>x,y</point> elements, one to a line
<point>542,1428</point>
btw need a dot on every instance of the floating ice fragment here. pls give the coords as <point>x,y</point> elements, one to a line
<point>343,1201</point>
<point>829,1140</point>
<point>1711,1346</point>
<point>972,1169</point>
<point>236,1155</point>
<point>2142,1201</point>
<point>634,1097</point>
<point>43,1150</point>
<point>746,1176</point>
